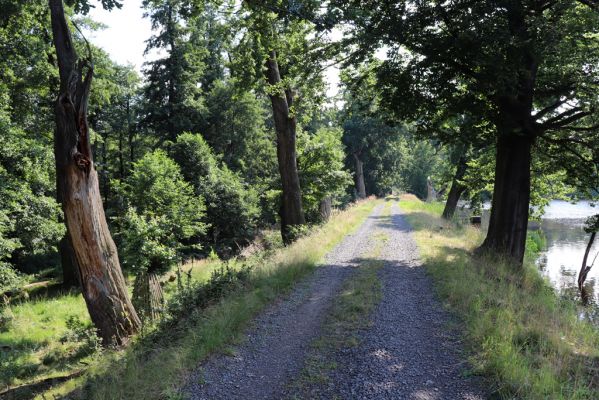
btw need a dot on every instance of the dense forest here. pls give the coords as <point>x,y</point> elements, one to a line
<point>111,179</point>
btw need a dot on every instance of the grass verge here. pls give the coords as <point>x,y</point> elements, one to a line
<point>527,340</point>
<point>156,370</point>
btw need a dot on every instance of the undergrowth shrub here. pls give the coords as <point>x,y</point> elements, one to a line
<point>197,296</point>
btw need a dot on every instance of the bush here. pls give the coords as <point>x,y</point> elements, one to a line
<point>83,333</point>
<point>321,169</point>
<point>225,279</point>
<point>163,216</point>
<point>231,205</point>
<point>9,279</point>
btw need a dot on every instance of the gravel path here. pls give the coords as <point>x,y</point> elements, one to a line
<point>408,352</point>
<point>273,352</point>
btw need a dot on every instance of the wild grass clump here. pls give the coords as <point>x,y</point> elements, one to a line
<point>527,340</point>
<point>154,369</point>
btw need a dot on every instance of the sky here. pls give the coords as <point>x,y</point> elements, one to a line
<point>127,30</point>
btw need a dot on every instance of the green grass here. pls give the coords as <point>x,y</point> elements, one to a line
<point>529,342</point>
<point>155,370</point>
<point>36,344</point>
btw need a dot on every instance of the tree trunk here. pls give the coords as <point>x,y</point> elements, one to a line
<point>511,197</point>
<point>584,269</point>
<point>68,261</point>
<point>102,280</point>
<point>291,211</point>
<point>456,189</point>
<point>325,208</point>
<point>360,186</point>
<point>148,296</point>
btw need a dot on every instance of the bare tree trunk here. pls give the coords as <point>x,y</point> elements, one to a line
<point>291,211</point>
<point>511,197</point>
<point>102,280</point>
<point>360,186</point>
<point>325,208</point>
<point>584,269</point>
<point>456,189</point>
<point>148,296</point>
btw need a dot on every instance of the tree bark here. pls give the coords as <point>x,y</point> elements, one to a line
<point>360,186</point>
<point>68,261</point>
<point>102,281</point>
<point>291,211</point>
<point>148,296</point>
<point>511,197</point>
<point>456,190</point>
<point>584,269</point>
<point>325,208</point>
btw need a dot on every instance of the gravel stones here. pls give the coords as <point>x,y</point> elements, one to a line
<point>407,352</point>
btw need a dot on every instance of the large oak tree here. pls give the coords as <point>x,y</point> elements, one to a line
<point>530,65</point>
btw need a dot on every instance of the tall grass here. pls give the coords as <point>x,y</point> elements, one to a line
<point>527,340</point>
<point>157,370</point>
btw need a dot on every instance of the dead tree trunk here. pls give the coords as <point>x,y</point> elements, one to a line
<point>291,211</point>
<point>148,296</point>
<point>456,190</point>
<point>584,269</point>
<point>360,186</point>
<point>102,280</point>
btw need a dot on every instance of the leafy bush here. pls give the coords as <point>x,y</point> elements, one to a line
<point>163,216</point>
<point>321,169</point>
<point>30,224</point>
<point>231,205</point>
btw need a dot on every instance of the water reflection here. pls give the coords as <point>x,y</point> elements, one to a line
<point>561,261</point>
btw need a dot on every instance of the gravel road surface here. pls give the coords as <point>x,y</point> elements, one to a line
<point>407,352</point>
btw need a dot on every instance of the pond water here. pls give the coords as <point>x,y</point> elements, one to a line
<point>562,225</point>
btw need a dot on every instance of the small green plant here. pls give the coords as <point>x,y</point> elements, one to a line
<point>299,231</point>
<point>213,255</point>
<point>83,333</point>
<point>6,316</point>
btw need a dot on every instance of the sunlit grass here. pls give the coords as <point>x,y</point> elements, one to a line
<point>527,340</point>
<point>32,347</point>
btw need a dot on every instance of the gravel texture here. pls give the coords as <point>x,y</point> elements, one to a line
<point>274,349</point>
<point>407,352</point>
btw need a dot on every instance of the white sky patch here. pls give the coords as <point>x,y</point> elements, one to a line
<point>126,32</point>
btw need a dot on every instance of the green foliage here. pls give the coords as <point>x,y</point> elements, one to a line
<point>173,101</point>
<point>82,332</point>
<point>29,215</point>
<point>163,216</point>
<point>592,224</point>
<point>9,278</point>
<point>321,169</point>
<point>231,205</point>
<point>197,296</point>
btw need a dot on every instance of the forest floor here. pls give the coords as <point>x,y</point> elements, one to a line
<point>366,324</point>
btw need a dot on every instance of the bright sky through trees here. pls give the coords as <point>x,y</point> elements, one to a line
<point>126,32</point>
